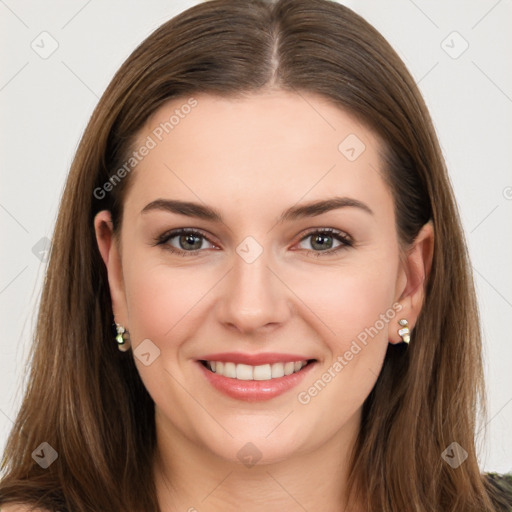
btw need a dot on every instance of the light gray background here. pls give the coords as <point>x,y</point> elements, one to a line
<point>46,102</point>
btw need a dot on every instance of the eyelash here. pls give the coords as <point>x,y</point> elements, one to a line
<point>345,240</point>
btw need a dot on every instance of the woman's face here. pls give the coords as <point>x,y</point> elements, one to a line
<point>266,287</point>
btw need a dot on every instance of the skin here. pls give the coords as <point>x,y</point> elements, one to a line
<point>251,159</point>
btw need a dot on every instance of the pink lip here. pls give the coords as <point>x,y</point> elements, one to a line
<point>254,390</point>
<point>254,359</point>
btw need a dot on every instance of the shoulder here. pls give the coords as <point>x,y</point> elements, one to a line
<point>502,485</point>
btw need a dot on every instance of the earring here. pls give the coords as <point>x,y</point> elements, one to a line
<point>404,331</point>
<point>122,338</point>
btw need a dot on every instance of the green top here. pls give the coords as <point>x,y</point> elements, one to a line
<point>502,484</point>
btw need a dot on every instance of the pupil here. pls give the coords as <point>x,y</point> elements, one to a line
<point>323,244</point>
<point>190,239</point>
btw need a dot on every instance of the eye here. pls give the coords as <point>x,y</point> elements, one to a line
<point>188,242</point>
<point>185,242</point>
<point>322,241</point>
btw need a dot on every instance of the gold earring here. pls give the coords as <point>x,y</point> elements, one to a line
<point>404,331</point>
<point>122,338</point>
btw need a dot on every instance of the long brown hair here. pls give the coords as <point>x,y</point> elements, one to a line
<point>85,398</point>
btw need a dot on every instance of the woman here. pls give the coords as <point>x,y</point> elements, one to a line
<point>260,208</point>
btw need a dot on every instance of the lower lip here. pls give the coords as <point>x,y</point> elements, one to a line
<point>255,390</point>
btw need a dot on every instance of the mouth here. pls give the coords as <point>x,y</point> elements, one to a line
<point>262,372</point>
<point>268,376</point>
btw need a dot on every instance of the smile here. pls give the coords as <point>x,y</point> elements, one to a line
<point>254,377</point>
<point>248,372</point>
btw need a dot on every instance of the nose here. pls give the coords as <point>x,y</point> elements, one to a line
<point>253,297</point>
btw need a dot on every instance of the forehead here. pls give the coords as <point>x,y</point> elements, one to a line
<point>242,150</point>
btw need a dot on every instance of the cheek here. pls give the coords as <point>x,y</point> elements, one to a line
<point>159,298</point>
<point>362,302</point>
<point>358,308</point>
<point>348,300</point>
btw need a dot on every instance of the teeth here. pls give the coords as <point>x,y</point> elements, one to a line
<point>277,370</point>
<point>230,370</point>
<point>248,372</point>
<point>289,368</point>
<point>243,372</point>
<point>263,372</point>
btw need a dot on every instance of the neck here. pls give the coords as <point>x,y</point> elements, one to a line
<point>191,478</point>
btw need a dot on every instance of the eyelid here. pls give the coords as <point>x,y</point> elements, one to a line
<point>172,233</point>
<point>332,231</point>
<point>346,241</point>
<point>344,238</point>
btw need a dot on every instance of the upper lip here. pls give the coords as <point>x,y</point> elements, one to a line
<point>255,359</point>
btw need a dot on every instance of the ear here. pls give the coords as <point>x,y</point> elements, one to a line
<point>108,246</point>
<point>416,266</point>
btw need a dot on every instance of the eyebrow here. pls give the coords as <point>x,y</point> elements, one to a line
<point>204,212</point>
